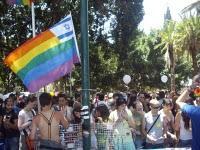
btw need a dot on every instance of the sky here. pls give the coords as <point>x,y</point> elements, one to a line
<point>155,10</point>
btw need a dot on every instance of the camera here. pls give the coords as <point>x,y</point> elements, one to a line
<point>7,117</point>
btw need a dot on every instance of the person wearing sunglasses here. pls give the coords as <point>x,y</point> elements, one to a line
<point>154,126</point>
<point>193,112</point>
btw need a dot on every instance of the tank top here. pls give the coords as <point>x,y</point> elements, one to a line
<point>50,132</point>
<point>157,130</point>
<point>184,133</point>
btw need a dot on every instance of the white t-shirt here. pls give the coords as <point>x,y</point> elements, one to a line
<point>26,116</point>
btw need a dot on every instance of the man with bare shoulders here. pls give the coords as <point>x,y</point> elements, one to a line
<point>47,121</point>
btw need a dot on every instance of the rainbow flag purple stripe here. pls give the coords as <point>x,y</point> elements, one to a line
<point>46,57</point>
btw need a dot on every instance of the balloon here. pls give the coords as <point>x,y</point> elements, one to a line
<point>127,79</point>
<point>164,78</point>
<point>182,82</point>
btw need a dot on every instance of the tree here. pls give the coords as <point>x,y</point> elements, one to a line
<point>127,15</point>
<point>188,39</point>
<point>168,37</point>
<point>147,62</point>
<point>110,49</point>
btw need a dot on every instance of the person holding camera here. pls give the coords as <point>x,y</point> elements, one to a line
<point>193,112</point>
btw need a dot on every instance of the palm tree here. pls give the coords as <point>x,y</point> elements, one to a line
<point>167,36</point>
<point>188,38</point>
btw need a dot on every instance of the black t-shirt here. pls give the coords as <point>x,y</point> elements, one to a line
<point>12,115</point>
<point>1,123</point>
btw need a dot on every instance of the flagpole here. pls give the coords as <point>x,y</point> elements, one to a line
<point>85,75</point>
<point>33,18</point>
<point>33,32</point>
<point>70,84</point>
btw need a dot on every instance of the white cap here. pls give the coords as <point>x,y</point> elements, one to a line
<point>110,95</point>
<point>154,102</point>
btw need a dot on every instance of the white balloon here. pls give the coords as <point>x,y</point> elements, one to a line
<point>189,82</point>
<point>127,79</point>
<point>164,78</point>
<point>182,82</point>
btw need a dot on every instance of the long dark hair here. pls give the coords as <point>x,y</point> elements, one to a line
<point>186,119</point>
<point>132,101</point>
<point>104,112</point>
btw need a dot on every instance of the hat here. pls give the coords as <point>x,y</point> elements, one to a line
<point>154,102</point>
<point>110,95</point>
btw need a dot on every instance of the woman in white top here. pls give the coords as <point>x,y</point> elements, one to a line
<point>122,121</point>
<point>183,129</point>
<point>25,118</point>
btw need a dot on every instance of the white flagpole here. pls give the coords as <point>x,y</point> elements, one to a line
<point>33,31</point>
<point>33,18</point>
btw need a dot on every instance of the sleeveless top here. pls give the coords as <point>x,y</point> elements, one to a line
<point>184,133</point>
<point>157,130</point>
<point>49,126</point>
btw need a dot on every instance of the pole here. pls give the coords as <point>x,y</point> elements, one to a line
<point>85,74</point>
<point>70,84</point>
<point>33,18</point>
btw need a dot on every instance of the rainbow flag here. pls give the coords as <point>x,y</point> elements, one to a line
<point>46,57</point>
<point>19,2</point>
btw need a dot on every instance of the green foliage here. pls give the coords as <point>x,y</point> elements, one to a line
<point>105,64</point>
<point>188,39</point>
<point>116,47</point>
<point>147,62</point>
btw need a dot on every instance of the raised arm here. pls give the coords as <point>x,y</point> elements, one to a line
<point>181,99</point>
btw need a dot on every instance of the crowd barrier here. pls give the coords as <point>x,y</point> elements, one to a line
<point>106,138</point>
<point>71,138</point>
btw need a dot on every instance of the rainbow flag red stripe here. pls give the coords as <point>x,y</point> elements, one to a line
<point>46,57</point>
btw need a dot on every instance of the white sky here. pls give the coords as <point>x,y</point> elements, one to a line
<point>155,10</point>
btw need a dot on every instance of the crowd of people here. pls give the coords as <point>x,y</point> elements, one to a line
<point>119,120</point>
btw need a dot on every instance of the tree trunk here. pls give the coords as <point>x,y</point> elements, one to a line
<point>172,68</point>
<point>194,60</point>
